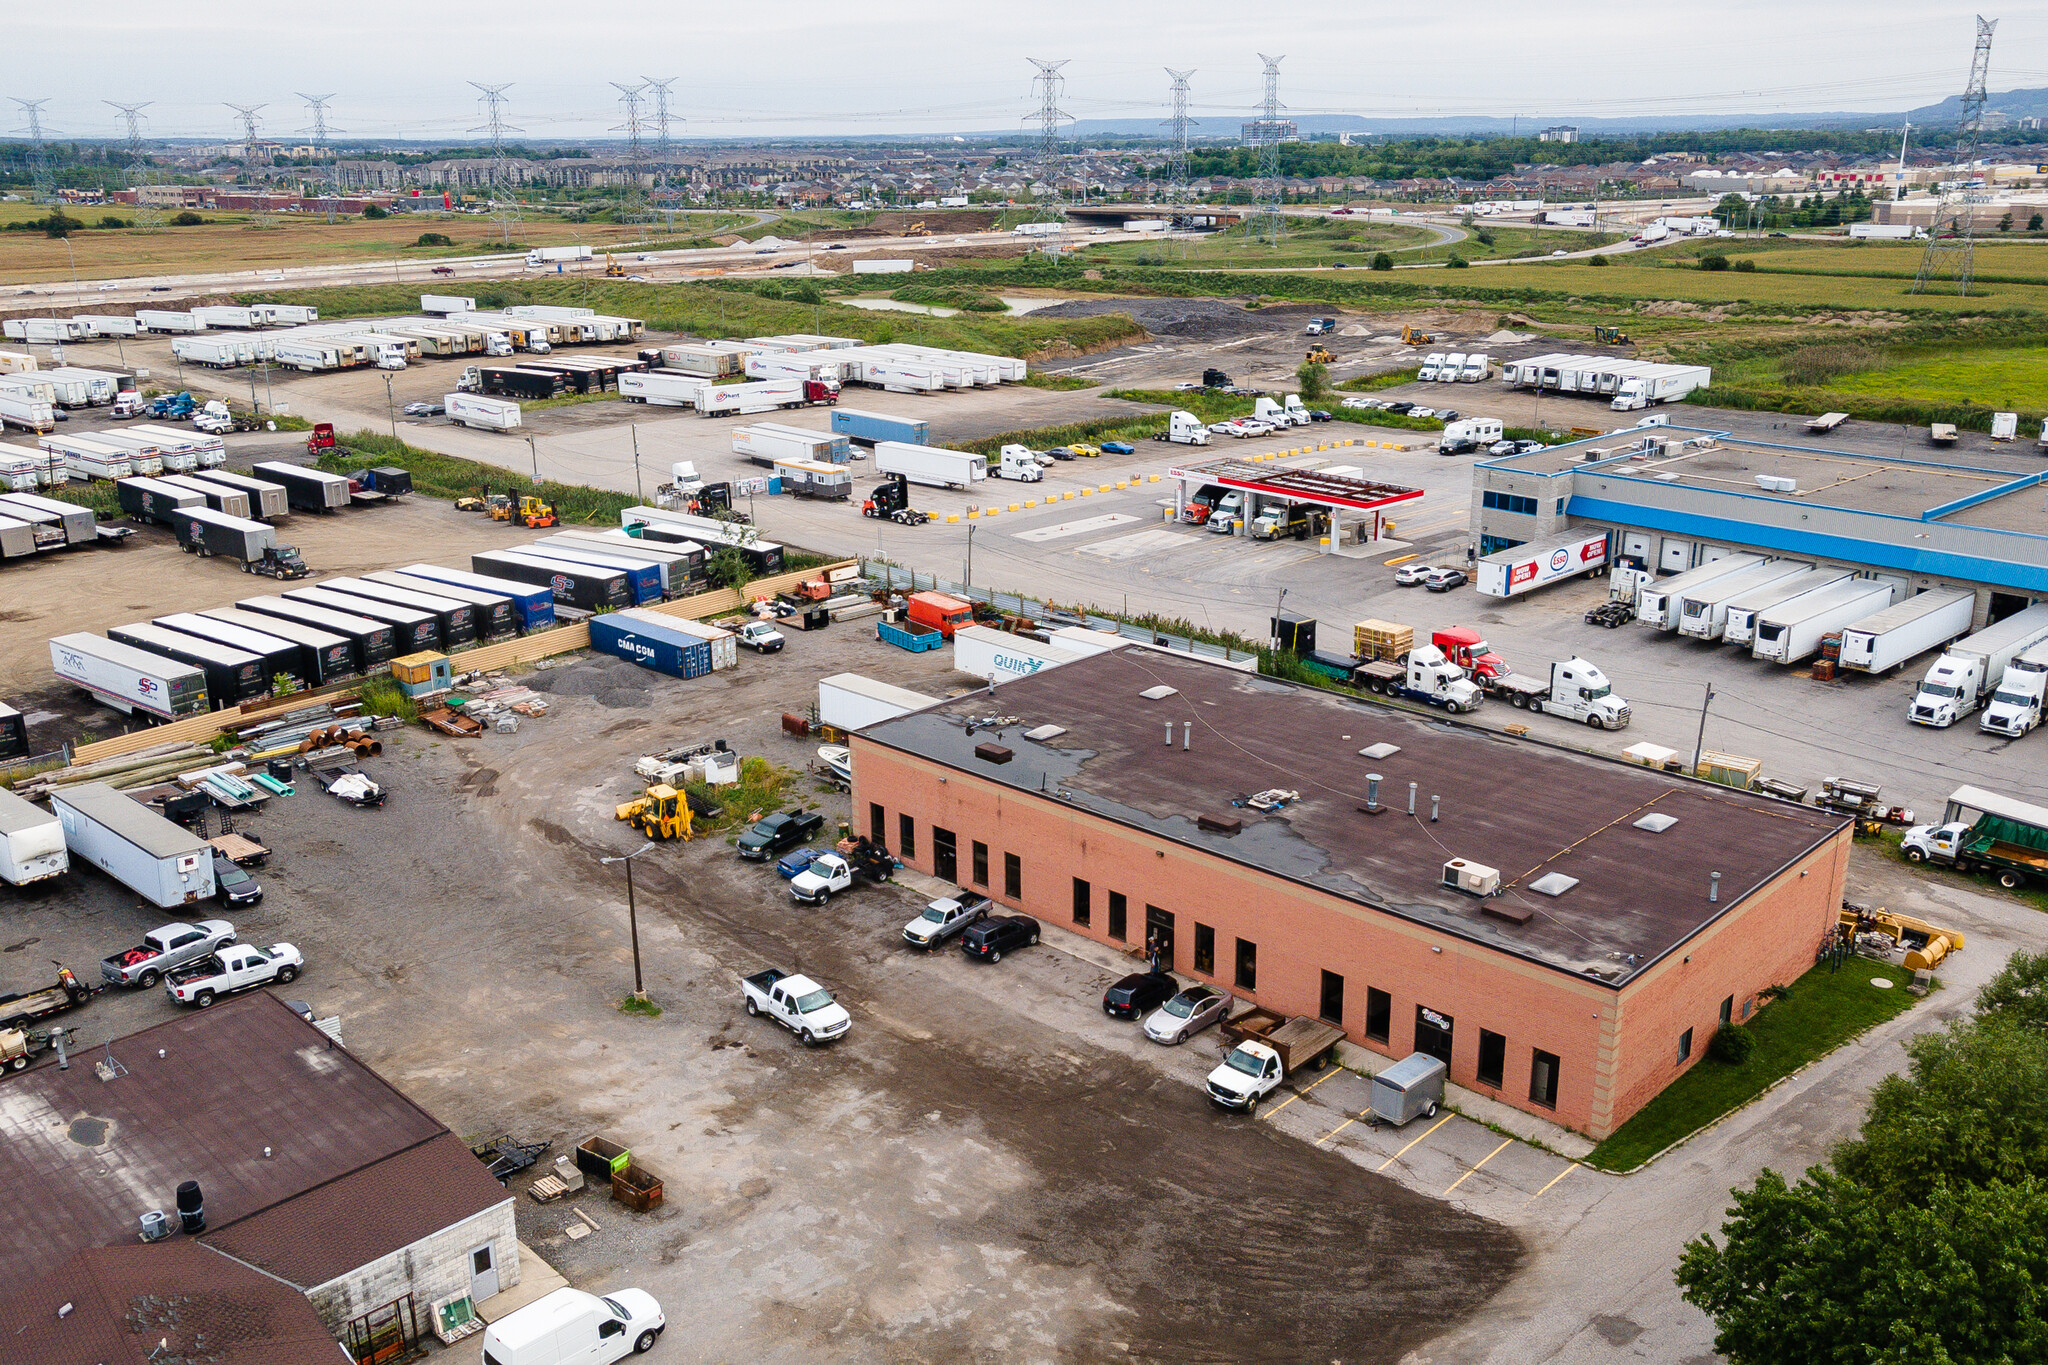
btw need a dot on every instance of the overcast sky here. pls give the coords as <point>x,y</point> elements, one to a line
<point>812,68</point>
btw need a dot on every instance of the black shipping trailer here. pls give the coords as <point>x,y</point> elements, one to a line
<point>497,616</point>
<point>310,490</point>
<point>593,589</point>
<point>278,655</point>
<point>415,630</point>
<point>374,643</point>
<point>153,500</point>
<point>575,378</point>
<point>324,657</point>
<point>13,733</point>
<point>205,531</point>
<point>457,619</point>
<point>232,676</point>
<point>763,556</point>
<point>510,381</point>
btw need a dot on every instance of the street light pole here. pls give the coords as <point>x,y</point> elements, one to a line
<point>635,429</point>
<point>633,914</point>
<point>534,451</point>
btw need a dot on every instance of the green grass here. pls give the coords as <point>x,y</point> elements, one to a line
<point>1509,243</point>
<point>1911,385</point>
<point>1311,243</point>
<point>382,696</point>
<point>1062,383</point>
<point>762,790</point>
<point>645,1009</point>
<point>449,476</point>
<point>99,495</point>
<point>2014,379</point>
<point>1825,1009</point>
<point>568,400</point>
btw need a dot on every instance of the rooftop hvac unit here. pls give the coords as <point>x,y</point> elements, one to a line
<point>1474,879</point>
<point>1770,483</point>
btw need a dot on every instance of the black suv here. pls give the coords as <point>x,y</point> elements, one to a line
<point>989,939</point>
<point>781,831</point>
<point>1137,996</point>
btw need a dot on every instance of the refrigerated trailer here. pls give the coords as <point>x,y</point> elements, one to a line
<point>323,657</point>
<point>219,497</point>
<point>1889,638</point>
<point>30,414</point>
<point>767,442</point>
<point>203,531</point>
<point>72,387</point>
<point>934,466</point>
<point>311,490</point>
<point>107,325</point>
<point>47,331</point>
<point>663,526</point>
<point>21,471</point>
<point>232,675</point>
<point>267,501</point>
<point>454,620</point>
<point>1739,624</point>
<point>870,428</point>
<point>17,538</point>
<point>662,390</point>
<point>152,500</point>
<point>1703,611</point>
<point>129,679</point>
<point>493,612</point>
<point>1789,633</point>
<point>211,450</point>
<point>31,840</point>
<point>279,655</point>
<point>587,587</point>
<point>412,630</point>
<point>164,863</point>
<point>1524,568</point>
<point>1659,602</point>
<point>79,525</point>
<point>473,410</point>
<point>765,396</point>
<point>145,451</point>
<point>372,643</point>
<point>167,320</point>
<point>533,607</point>
<point>227,315</point>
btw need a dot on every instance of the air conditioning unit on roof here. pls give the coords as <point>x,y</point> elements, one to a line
<point>1474,879</point>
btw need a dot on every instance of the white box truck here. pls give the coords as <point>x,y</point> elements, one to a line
<point>1787,634</point>
<point>474,410</point>
<point>164,863</point>
<point>1970,669</point>
<point>2015,706</point>
<point>933,466</point>
<point>1896,634</point>
<point>31,842</point>
<point>1524,568</point>
<point>1659,602</point>
<point>1703,611</point>
<point>1739,625</point>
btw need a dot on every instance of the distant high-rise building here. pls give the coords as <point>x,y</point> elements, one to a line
<point>1260,131</point>
<point>1562,132</point>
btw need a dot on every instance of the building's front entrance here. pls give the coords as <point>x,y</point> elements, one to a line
<point>1433,1034</point>
<point>945,855</point>
<point>1159,935</point>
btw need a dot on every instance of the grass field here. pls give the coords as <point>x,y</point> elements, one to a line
<point>2014,379</point>
<point>1639,279</point>
<point>1305,246</point>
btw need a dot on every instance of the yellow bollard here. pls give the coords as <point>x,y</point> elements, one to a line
<point>990,511</point>
<point>971,516</point>
<point>1103,488</point>
<point>1086,491</point>
<point>1013,507</point>
<point>1031,502</point>
<point>1123,483</point>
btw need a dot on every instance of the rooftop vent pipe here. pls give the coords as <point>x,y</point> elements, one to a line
<point>1187,735</point>
<point>191,1208</point>
<point>1372,793</point>
<point>1169,734</point>
<point>1713,886</point>
<point>1411,796</point>
<point>1434,803</point>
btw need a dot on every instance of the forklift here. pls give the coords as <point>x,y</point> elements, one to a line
<point>531,512</point>
<point>891,499</point>
<point>662,813</point>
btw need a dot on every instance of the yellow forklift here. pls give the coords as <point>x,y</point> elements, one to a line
<point>533,513</point>
<point>663,813</point>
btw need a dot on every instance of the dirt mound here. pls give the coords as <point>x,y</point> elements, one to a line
<point>611,683</point>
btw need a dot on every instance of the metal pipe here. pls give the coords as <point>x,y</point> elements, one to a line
<point>1434,803</point>
<point>1372,792</point>
<point>1169,734</point>
<point>1714,886</point>
<point>1187,735</point>
<point>1411,797</point>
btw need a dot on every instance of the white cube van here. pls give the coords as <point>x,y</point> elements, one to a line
<point>570,1327</point>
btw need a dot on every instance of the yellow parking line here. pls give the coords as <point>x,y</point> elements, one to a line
<point>1404,1151</point>
<point>1396,563</point>
<point>1553,1180</point>
<point>1299,1093</point>
<point>1338,1129</point>
<point>1476,1165</point>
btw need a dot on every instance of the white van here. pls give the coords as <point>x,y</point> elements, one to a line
<point>570,1327</point>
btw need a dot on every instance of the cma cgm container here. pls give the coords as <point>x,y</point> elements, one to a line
<point>278,655</point>
<point>586,586</point>
<point>643,577</point>
<point>871,427</point>
<point>166,864</point>
<point>372,643</point>
<point>533,607</point>
<point>651,643</point>
<point>127,678</point>
<point>456,620</point>
<point>324,657</point>
<point>493,612</point>
<point>151,500</point>
<point>724,644</point>
<point>313,490</point>
<point>267,501</point>
<point>232,675</point>
<point>414,630</point>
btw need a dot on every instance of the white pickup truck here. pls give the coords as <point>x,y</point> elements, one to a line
<point>760,637</point>
<point>797,1003</point>
<point>238,967</point>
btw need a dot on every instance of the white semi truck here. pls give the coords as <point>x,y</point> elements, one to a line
<point>1970,669</point>
<point>2015,706</point>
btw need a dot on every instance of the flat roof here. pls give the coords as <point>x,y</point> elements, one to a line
<point>1522,807</point>
<point>129,818</point>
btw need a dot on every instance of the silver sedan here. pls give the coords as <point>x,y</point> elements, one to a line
<point>1187,1014</point>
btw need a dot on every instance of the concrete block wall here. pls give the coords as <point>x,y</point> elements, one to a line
<point>434,1268</point>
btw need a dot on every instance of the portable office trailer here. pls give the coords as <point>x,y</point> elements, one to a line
<point>412,629</point>
<point>207,532</point>
<point>812,479</point>
<point>657,523</point>
<point>651,643</point>
<point>1743,611</point>
<point>371,643</point>
<point>79,525</point>
<point>17,538</point>
<point>323,657</point>
<point>278,654</point>
<point>533,608</point>
<point>455,619</point>
<point>233,676</point>
<point>313,490</point>
<point>221,498</point>
<point>588,586</point>
<point>127,678</point>
<point>1896,634</point>
<point>1788,633</point>
<point>154,500</point>
<point>685,558</point>
<point>495,615</point>
<point>166,864</point>
<point>643,577</point>
<point>267,501</point>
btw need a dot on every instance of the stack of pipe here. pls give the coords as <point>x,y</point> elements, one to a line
<point>127,770</point>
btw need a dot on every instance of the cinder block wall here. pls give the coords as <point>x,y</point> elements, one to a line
<point>431,1269</point>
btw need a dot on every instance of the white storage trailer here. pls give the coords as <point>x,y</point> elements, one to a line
<point>30,414</point>
<point>1660,600</point>
<point>933,466</point>
<point>21,471</point>
<point>848,701</point>
<point>107,325</point>
<point>1524,568</point>
<point>167,320</point>
<point>227,315</point>
<point>1789,633</point>
<point>662,390</point>
<point>311,490</point>
<point>267,501</point>
<point>166,864</point>
<point>766,442</point>
<point>1882,642</point>
<point>45,530</point>
<point>1703,611</point>
<point>1742,612</point>
<point>474,410</point>
<point>129,679</point>
<point>180,459</point>
<point>211,450</point>
<point>31,842</point>
<point>17,538</point>
<point>79,525</point>
<point>1000,656</point>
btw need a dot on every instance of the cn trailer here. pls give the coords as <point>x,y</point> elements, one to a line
<point>153,500</point>
<point>493,612</point>
<point>233,676</point>
<point>311,490</point>
<point>278,655</point>
<point>203,531</point>
<point>267,501</point>
<point>324,657</point>
<point>413,629</point>
<point>643,577</point>
<point>371,643</point>
<point>586,586</point>
<point>129,679</point>
<point>533,608</point>
<point>221,498</point>
<point>455,620</point>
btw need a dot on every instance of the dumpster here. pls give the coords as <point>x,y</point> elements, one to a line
<point>637,1188</point>
<point>601,1157</point>
<point>1411,1088</point>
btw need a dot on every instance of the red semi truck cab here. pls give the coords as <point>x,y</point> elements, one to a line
<point>1468,649</point>
<point>942,613</point>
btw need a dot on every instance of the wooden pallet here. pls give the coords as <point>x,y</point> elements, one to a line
<point>547,1188</point>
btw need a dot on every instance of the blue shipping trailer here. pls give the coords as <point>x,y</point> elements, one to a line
<point>870,427</point>
<point>532,608</point>
<point>651,644</point>
<point>643,577</point>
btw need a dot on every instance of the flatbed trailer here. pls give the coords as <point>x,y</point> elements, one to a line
<point>19,1008</point>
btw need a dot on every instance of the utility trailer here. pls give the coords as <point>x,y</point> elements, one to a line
<point>232,675</point>
<point>152,500</point>
<point>413,630</point>
<point>311,490</point>
<point>322,657</point>
<point>372,643</point>
<point>533,607</point>
<point>1880,643</point>
<point>129,679</point>
<point>166,864</point>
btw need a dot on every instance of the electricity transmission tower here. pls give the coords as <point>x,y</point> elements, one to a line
<point>325,169</point>
<point>146,216</point>
<point>629,96</point>
<point>662,152</point>
<point>492,97</point>
<point>1177,163</point>
<point>1950,237</point>
<point>43,174</point>
<point>1049,83</point>
<point>247,113</point>
<point>1267,221</point>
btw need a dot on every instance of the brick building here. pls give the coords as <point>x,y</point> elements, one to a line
<point>1636,911</point>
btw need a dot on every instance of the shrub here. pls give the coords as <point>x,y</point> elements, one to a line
<point>434,239</point>
<point>374,212</point>
<point>1382,261</point>
<point>1458,263</point>
<point>1746,265</point>
<point>60,224</point>
<point>187,219</point>
<point>1732,1044</point>
<point>1597,260</point>
<point>1314,378</point>
<point>1818,364</point>
<point>110,221</point>
<point>1713,262</point>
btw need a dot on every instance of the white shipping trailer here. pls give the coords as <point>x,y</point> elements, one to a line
<point>1703,612</point>
<point>1524,568</point>
<point>933,466</point>
<point>127,678</point>
<point>739,399</point>
<point>662,390</point>
<point>998,656</point>
<point>446,303</point>
<point>474,410</point>
<point>766,442</point>
<point>107,325</point>
<point>847,701</point>
<point>308,354</point>
<point>220,353</point>
<point>792,365</point>
<point>17,538</point>
<point>1787,634</point>
<point>16,362</point>
<point>85,458</point>
<point>79,525</point>
<point>30,414</point>
<point>31,842</point>
<point>211,451</point>
<point>21,471</point>
<point>227,315</point>
<point>1659,603</point>
<point>164,863</point>
<point>1665,384</point>
<point>1891,637</point>
<point>1739,627</point>
<point>47,331</point>
<point>167,320</point>
<point>30,386</point>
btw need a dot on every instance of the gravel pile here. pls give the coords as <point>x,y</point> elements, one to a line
<point>612,683</point>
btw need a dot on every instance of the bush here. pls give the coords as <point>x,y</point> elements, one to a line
<point>1732,1044</point>
<point>374,212</point>
<point>1713,262</point>
<point>110,221</point>
<point>1458,263</point>
<point>1746,265</point>
<point>1382,261</point>
<point>434,239</point>
<point>187,219</point>
<point>60,224</point>
<point>1598,260</point>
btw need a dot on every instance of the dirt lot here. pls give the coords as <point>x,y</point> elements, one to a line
<point>986,1168</point>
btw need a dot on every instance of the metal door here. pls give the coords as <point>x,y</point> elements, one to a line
<point>483,1273</point>
<point>1159,935</point>
<point>945,855</point>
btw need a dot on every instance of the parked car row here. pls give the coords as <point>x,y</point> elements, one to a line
<point>1435,577</point>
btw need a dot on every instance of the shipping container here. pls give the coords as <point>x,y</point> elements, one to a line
<point>267,501</point>
<point>279,655</point>
<point>323,657</point>
<point>494,613</point>
<point>79,525</point>
<point>870,428</point>
<point>533,608</point>
<point>412,629</point>
<point>643,577</point>
<point>129,679</point>
<point>219,497</point>
<point>204,531</point>
<point>372,643</point>
<point>232,675</point>
<point>152,500</point>
<point>725,652</point>
<point>311,490</point>
<point>588,587</point>
<point>164,863</point>
<point>456,620</point>
<point>652,644</point>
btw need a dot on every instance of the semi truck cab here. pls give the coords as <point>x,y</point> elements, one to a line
<point>1948,692</point>
<point>1468,649</point>
<point>2016,706</point>
<point>1021,464</point>
<point>1580,691</point>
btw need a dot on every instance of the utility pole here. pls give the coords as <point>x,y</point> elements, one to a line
<point>633,914</point>
<point>969,582</point>
<point>1700,743</point>
<point>390,409</point>
<point>629,96</point>
<point>662,152</point>
<point>1950,236</point>
<point>532,450</point>
<point>637,494</point>
<point>146,216</point>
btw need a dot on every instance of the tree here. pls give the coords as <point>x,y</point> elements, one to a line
<point>434,239</point>
<point>1458,263</point>
<point>1713,262</point>
<point>2005,223</point>
<point>2018,995</point>
<point>1382,261</point>
<point>60,224</point>
<point>1598,260</point>
<point>2034,223</point>
<point>373,211</point>
<point>1314,377</point>
<point>187,219</point>
<point>108,220</point>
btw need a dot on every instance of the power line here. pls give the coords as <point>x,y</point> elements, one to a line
<point>1177,126</point>
<point>663,155</point>
<point>1951,236</point>
<point>247,114</point>
<point>329,180</point>
<point>1267,222</point>
<point>146,216</point>
<point>629,96</point>
<point>1049,116</point>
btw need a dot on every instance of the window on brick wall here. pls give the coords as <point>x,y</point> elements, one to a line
<point>1117,909</point>
<point>1013,876</point>
<point>1083,901</point>
<point>1493,1058</point>
<point>1379,1014</point>
<point>1684,1046</point>
<point>980,863</point>
<point>1332,1005</point>
<point>1205,949</point>
<point>878,824</point>
<point>1728,1010</point>
<point>906,837</point>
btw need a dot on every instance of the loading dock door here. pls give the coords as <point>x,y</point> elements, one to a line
<point>1433,1034</point>
<point>1677,556</point>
